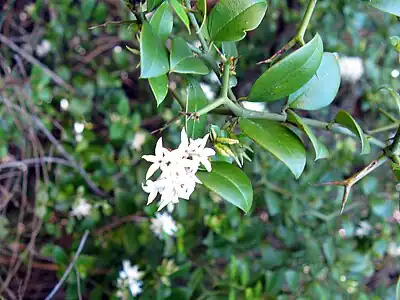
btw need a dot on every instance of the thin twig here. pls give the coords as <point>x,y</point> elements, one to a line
<point>70,267</point>
<point>59,148</point>
<point>57,79</point>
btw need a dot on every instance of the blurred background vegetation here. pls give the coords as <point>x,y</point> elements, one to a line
<point>75,120</point>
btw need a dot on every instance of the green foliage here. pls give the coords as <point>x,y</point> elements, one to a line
<point>278,140</point>
<point>183,61</point>
<point>229,20</point>
<point>345,119</point>
<point>310,96</point>
<point>230,183</point>
<point>154,57</point>
<point>389,6</point>
<point>251,230</point>
<point>289,74</point>
<point>319,148</point>
<point>159,86</point>
<point>162,21</point>
<point>196,100</point>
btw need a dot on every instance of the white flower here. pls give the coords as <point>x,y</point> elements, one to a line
<point>135,287</point>
<point>163,224</point>
<point>82,208</point>
<point>199,153</point>
<point>79,127</point>
<point>131,272</point>
<point>138,141</point>
<point>129,277</point>
<point>157,159</point>
<point>178,170</point>
<point>363,229</point>
<point>43,48</point>
<point>351,68</point>
<point>64,104</point>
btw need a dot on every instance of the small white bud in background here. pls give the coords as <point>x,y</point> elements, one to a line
<point>395,73</point>
<point>79,127</point>
<point>43,48</point>
<point>64,104</point>
<point>117,49</point>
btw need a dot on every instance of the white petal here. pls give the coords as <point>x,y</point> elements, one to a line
<point>206,163</point>
<point>151,197</point>
<point>152,169</point>
<point>208,152</point>
<point>150,158</point>
<point>204,141</point>
<point>159,148</point>
<point>184,139</point>
<point>163,204</point>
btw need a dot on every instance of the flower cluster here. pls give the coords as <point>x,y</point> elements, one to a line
<point>163,224</point>
<point>178,170</point>
<point>130,277</point>
<point>81,209</point>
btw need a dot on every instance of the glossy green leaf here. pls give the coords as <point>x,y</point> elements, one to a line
<point>162,21</point>
<point>196,99</point>
<point>389,6</point>
<point>345,119</point>
<point>320,150</point>
<point>180,10</point>
<point>229,182</point>
<point>289,74</point>
<point>159,86</point>
<point>153,54</point>
<point>230,19</point>
<point>395,95</point>
<point>322,89</point>
<point>229,49</point>
<point>152,4</point>
<point>279,140</point>
<point>202,6</point>
<point>183,61</point>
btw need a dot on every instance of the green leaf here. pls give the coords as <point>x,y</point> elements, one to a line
<point>229,49</point>
<point>183,61</point>
<point>180,10</point>
<point>322,89</point>
<point>389,6</point>
<point>152,4</point>
<point>202,7</point>
<point>230,19</point>
<point>292,280</point>
<point>159,86</point>
<point>345,119</point>
<point>162,21</point>
<point>229,182</point>
<point>279,140</point>
<point>196,99</point>
<point>320,150</point>
<point>289,74</point>
<point>153,54</point>
<point>87,8</point>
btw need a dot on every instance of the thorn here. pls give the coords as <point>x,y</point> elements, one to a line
<point>347,190</point>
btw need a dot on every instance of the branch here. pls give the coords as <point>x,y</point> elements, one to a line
<point>299,37</point>
<point>59,148</point>
<point>351,181</point>
<point>70,267</point>
<point>57,79</point>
